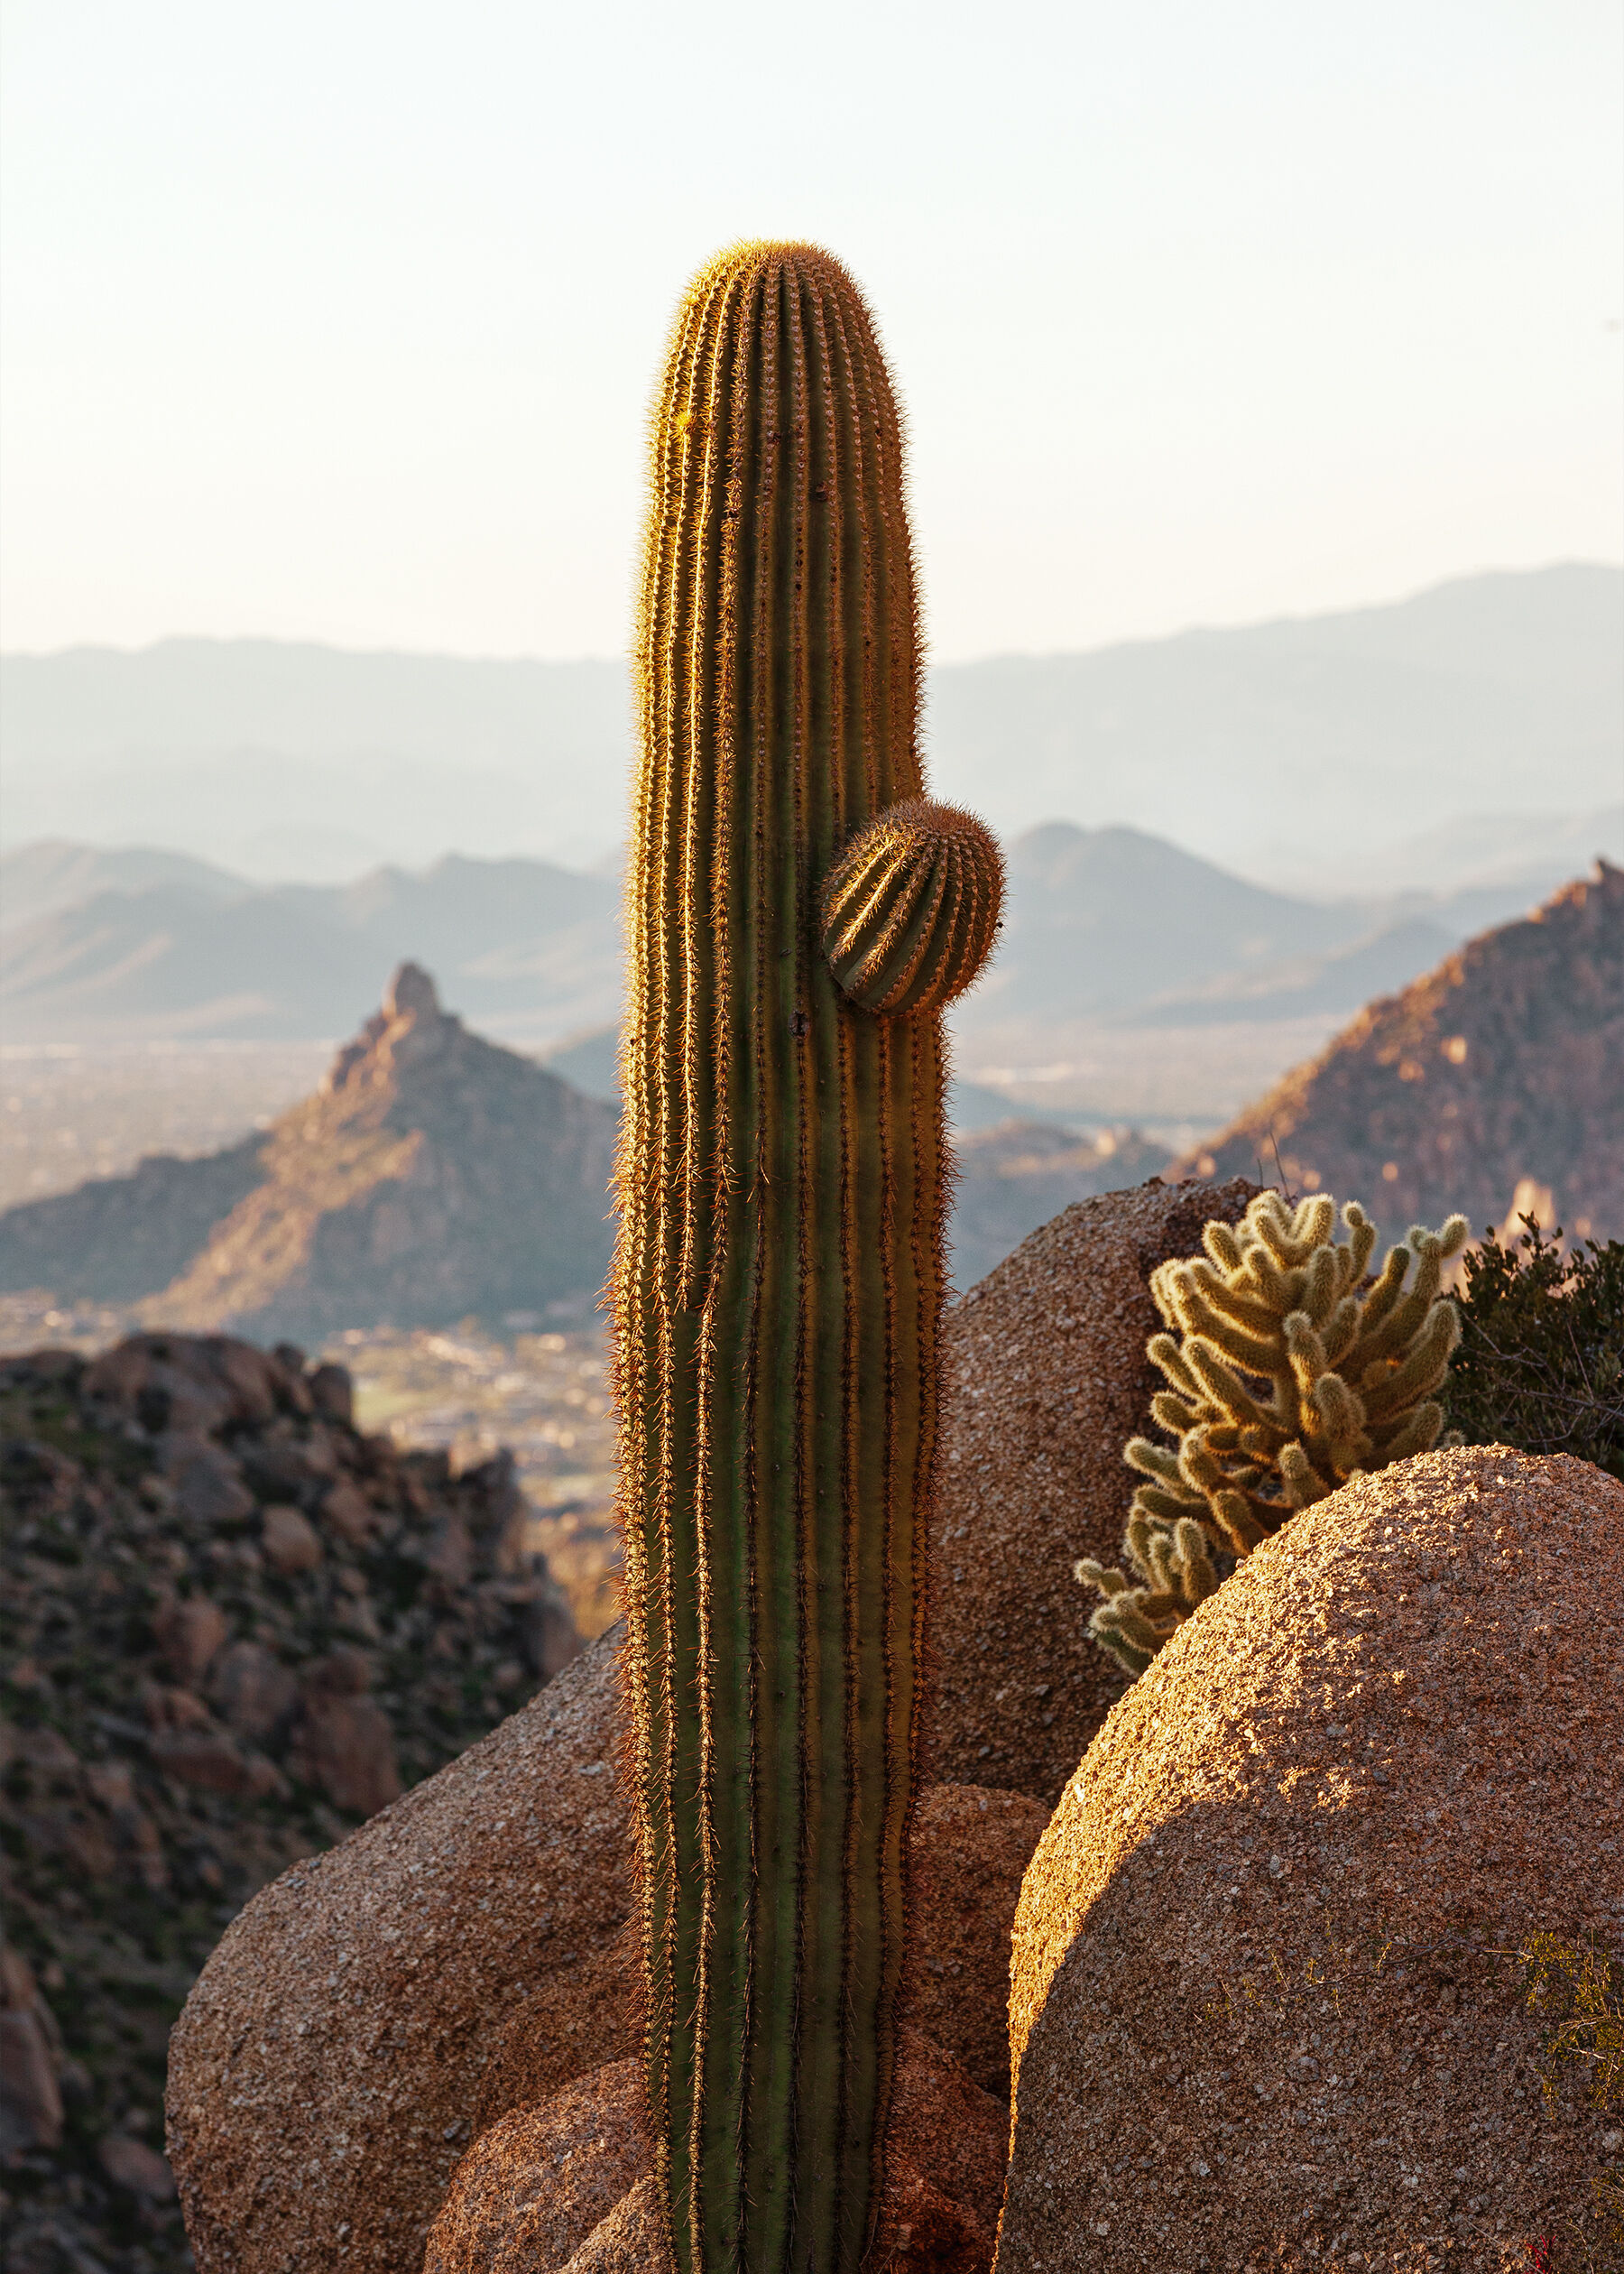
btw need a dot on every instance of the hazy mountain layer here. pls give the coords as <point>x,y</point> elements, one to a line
<point>1101,925</point>
<point>518,941</point>
<point>1280,749</point>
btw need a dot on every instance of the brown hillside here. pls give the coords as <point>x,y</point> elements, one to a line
<point>1505,1064</point>
<point>432,1175</point>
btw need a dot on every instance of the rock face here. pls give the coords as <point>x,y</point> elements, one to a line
<point>466,1954</point>
<point>1019,1174</point>
<point>328,2071</point>
<point>1269,2002</point>
<point>1500,1067</point>
<point>532,2191</point>
<point>1045,1379</point>
<point>970,1851</point>
<point>431,1176</point>
<point>233,1626</point>
<point>567,2183</point>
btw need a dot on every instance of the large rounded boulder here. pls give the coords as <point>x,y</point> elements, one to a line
<point>1314,1964</point>
<point>1044,1379</point>
<point>465,1958</point>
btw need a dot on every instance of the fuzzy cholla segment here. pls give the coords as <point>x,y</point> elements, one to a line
<point>1293,1371</point>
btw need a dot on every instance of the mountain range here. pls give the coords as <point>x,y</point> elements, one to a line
<point>121,946</point>
<point>1494,1083</point>
<point>1315,752</point>
<point>433,1174</point>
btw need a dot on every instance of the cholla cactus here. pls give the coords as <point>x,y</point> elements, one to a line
<point>1292,1375</point>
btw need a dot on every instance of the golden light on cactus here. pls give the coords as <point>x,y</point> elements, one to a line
<point>911,908</point>
<point>779,1275</point>
<point>1291,1376</point>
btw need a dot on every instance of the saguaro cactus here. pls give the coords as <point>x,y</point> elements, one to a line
<point>778,1276</point>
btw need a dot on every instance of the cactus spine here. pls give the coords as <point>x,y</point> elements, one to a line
<point>778,1276</point>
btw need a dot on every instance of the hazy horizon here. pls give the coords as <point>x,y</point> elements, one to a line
<point>383,649</point>
<point>341,327</point>
<point>1483,695</point>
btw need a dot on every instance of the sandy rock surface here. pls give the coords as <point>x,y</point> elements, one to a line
<point>1270,2003</point>
<point>327,2073</point>
<point>533,2189</point>
<point>970,1851</point>
<point>566,2185</point>
<point>1045,1381</point>
<point>465,1954</point>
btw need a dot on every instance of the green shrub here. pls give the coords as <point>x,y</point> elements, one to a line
<point>1540,1363</point>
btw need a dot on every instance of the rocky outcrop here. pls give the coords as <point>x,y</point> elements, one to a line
<point>1019,1174</point>
<point>433,1175</point>
<point>466,1956</point>
<point>567,2183</point>
<point>1499,1069</point>
<point>1045,1379</point>
<point>1290,1971</point>
<point>362,2019</point>
<point>234,1626</point>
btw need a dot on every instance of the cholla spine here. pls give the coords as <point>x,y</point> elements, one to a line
<point>1350,1371</point>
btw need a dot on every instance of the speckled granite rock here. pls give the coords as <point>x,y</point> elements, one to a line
<point>535,2188</point>
<point>566,2185</point>
<point>970,1851</point>
<point>465,1955</point>
<point>327,2072</point>
<point>1045,1381</point>
<point>1269,2004</point>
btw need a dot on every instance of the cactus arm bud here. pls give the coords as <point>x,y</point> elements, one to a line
<point>912,908</point>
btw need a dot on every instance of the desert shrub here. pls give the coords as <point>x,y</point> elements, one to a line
<point>1297,1369</point>
<point>1577,1989</point>
<point>1540,1364</point>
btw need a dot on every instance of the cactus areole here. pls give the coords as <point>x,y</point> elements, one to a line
<point>779,1277</point>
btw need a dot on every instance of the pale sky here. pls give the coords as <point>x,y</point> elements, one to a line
<point>338,319</point>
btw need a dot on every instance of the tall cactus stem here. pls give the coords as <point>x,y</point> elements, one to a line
<point>779,1277</point>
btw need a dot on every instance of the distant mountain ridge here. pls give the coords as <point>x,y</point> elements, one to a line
<point>1500,693</point>
<point>527,943</point>
<point>432,1175</point>
<point>1501,1069</point>
<point>1102,924</point>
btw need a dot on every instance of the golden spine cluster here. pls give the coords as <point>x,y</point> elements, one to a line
<point>1291,1375</point>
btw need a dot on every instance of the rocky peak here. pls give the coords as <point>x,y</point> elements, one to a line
<point>410,995</point>
<point>409,1030</point>
<point>432,1175</point>
<point>1495,1074</point>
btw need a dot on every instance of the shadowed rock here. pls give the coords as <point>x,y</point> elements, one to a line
<point>1045,1380</point>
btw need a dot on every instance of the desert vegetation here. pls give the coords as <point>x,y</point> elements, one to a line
<point>1295,1370</point>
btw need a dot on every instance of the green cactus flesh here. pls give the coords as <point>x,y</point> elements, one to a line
<point>779,1277</point>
